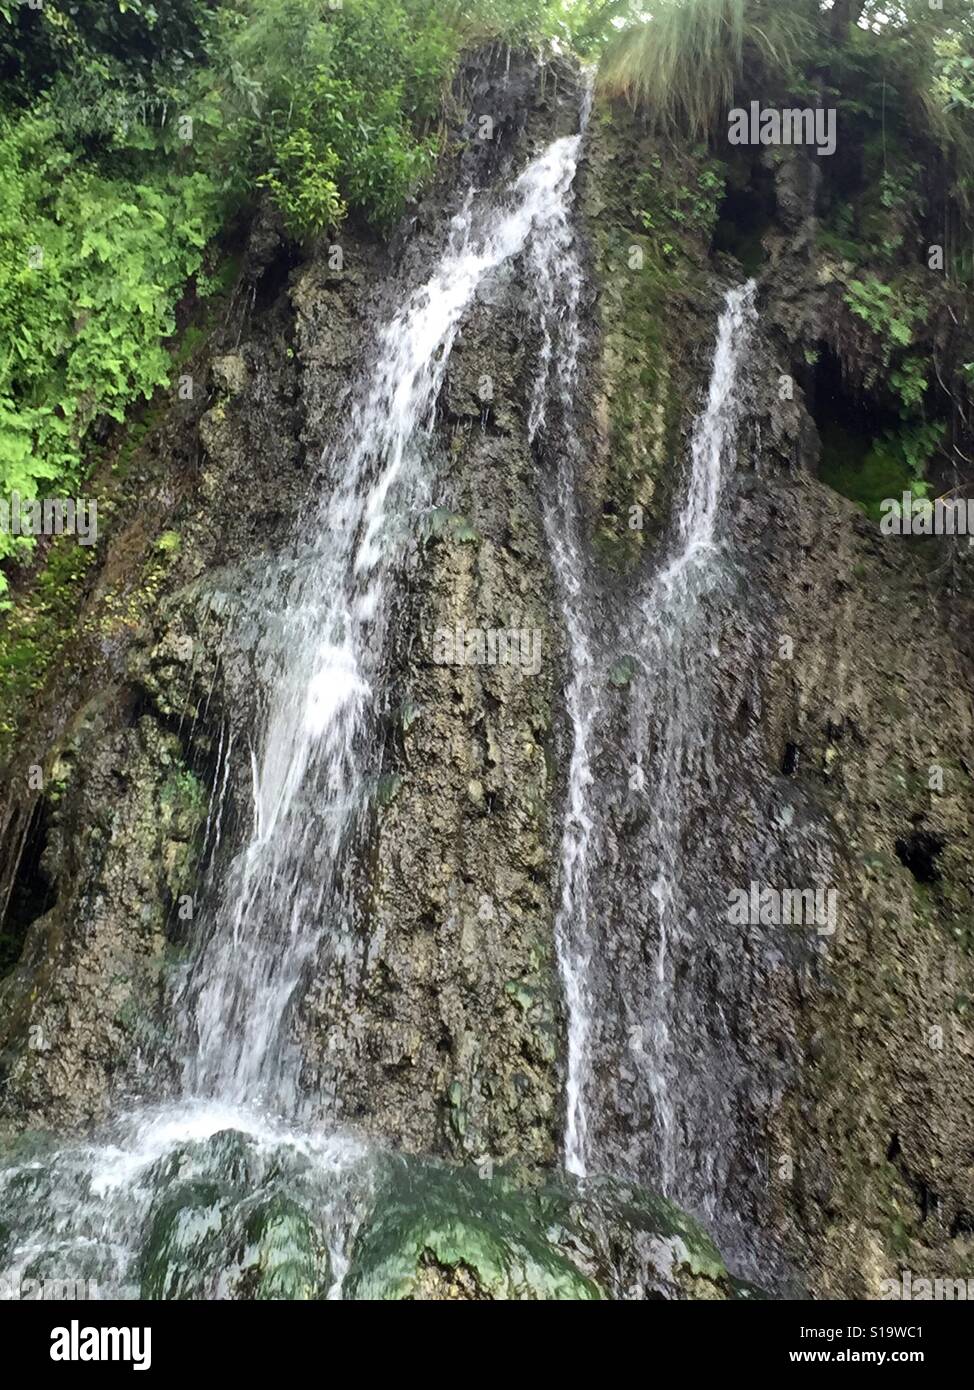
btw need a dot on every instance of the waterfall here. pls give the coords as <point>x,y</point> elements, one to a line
<point>287,886</point>
<point>321,629</point>
<point>666,1082</point>
<point>323,614</point>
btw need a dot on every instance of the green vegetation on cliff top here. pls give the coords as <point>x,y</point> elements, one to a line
<point>130,134</point>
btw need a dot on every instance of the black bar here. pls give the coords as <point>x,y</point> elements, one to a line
<point>726,1337</point>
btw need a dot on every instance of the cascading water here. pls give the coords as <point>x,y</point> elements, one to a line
<point>559,280</point>
<point>320,741</point>
<point>670,1079</point>
<point>675,652</point>
<point>667,637</point>
<point>86,1209</point>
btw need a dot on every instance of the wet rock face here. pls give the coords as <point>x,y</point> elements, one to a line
<point>85,994</point>
<point>845,708</point>
<point>448,1041</point>
<point>833,745</point>
<point>117,760</point>
<point>879,1118</point>
<point>442,1035</point>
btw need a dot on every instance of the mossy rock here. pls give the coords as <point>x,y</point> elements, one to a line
<point>282,1261</point>
<point>864,470</point>
<point>441,1233</point>
<point>622,671</point>
<point>437,1233</point>
<point>606,1209</point>
<point>186,1247</point>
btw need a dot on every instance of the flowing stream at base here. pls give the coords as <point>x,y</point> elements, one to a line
<point>83,1210</point>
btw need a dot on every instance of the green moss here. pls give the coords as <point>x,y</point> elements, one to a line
<point>651,231</point>
<point>447,1233</point>
<point>40,621</point>
<point>461,1225</point>
<point>387,788</point>
<point>212,293</point>
<point>37,627</point>
<point>169,543</point>
<point>282,1262</point>
<point>185,1240</point>
<point>622,671</point>
<point>446,525</point>
<point>521,993</point>
<point>638,1209</point>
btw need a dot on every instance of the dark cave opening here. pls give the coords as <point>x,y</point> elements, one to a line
<point>962,1225</point>
<point>745,214</point>
<point>919,851</point>
<point>32,892</point>
<point>789,762</point>
<point>859,458</point>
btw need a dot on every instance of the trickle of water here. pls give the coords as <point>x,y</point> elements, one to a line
<point>558,278</point>
<point>675,653</point>
<point>671,649</point>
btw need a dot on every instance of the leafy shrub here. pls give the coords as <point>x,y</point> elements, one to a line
<point>327,109</point>
<point>91,267</point>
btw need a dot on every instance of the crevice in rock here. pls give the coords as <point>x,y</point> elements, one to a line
<point>274,277</point>
<point>790,759</point>
<point>848,423</point>
<point>927,1200</point>
<point>746,213</point>
<point>919,851</point>
<point>32,893</point>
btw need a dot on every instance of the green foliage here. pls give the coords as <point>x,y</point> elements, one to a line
<point>914,446</point>
<point>870,470</point>
<point>583,23</point>
<point>892,316</point>
<point>864,470</point>
<point>877,304</point>
<point>107,199</point>
<point>328,109</point>
<point>669,207</point>
<point>907,75</point>
<point>303,184</point>
<point>91,267</point>
<point>39,46</point>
